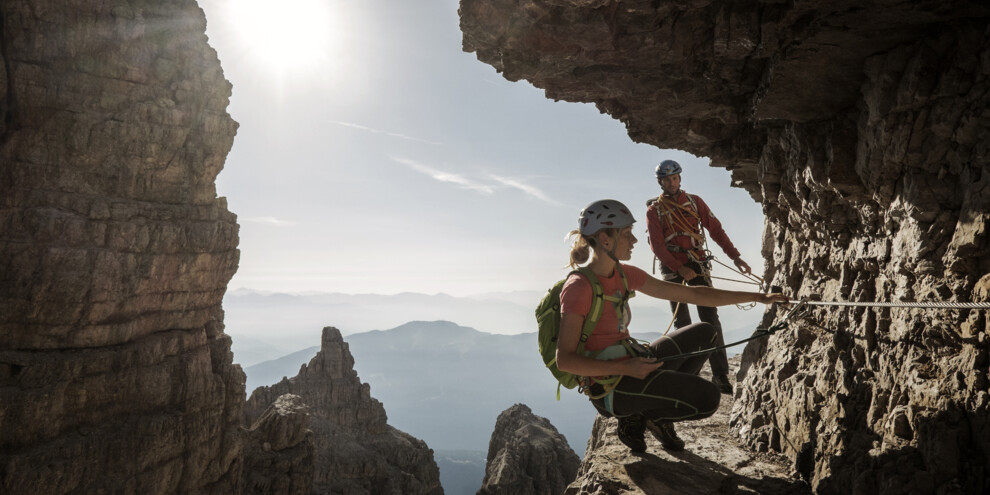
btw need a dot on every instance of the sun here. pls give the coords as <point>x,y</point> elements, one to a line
<point>290,36</point>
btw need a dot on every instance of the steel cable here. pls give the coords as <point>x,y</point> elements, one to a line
<point>923,305</point>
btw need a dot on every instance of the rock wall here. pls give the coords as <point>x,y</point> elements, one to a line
<point>860,127</point>
<point>115,252</point>
<point>356,450</point>
<point>527,456</point>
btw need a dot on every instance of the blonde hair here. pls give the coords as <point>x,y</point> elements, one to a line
<point>583,244</point>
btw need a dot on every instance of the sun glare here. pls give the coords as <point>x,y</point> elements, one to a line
<point>290,36</point>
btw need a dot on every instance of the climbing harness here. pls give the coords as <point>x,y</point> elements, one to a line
<point>626,347</point>
<point>676,215</point>
<point>682,221</point>
<point>678,222</point>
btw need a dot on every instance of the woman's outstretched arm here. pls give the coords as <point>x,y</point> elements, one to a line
<point>705,296</point>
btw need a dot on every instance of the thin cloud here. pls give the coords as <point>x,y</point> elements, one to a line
<point>442,176</point>
<point>478,185</point>
<point>530,190</point>
<point>270,221</point>
<point>385,133</point>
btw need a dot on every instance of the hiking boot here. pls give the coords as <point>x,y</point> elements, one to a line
<point>631,430</point>
<point>664,432</point>
<point>723,384</point>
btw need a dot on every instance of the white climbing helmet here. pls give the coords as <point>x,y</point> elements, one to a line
<point>604,214</point>
<point>668,168</point>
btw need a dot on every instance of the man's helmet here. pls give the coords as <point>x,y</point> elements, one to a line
<point>604,214</point>
<point>668,168</point>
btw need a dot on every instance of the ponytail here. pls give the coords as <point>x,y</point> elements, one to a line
<point>580,249</point>
<point>583,244</point>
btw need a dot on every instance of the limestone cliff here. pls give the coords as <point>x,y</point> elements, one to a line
<point>861,128</point>
<point>115,252</point>
<point>527,456</point>
<point>356,450</point>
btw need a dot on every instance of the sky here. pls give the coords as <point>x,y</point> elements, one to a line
<point>375,156</point>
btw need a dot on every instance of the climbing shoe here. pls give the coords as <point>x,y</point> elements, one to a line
<point>664,432</point>
<point>723,384</point>
<point>631,430</point>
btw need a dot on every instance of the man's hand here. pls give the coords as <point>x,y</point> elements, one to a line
<point>686,273</point>
<point>743,267</point>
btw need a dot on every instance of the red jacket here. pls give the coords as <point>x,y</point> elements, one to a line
<point>671,235</point>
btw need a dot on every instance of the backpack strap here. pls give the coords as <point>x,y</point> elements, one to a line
<point>597,306</point>
<point>621,305</point>
<point>594,314</point>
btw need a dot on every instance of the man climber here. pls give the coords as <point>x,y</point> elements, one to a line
<point>676,221</point>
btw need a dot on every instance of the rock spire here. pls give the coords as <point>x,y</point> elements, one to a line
<point>527,456</point>
<point>356,450</point>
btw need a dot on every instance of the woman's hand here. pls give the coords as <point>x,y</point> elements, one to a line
<point>639,367</point>
<point>775,297</point>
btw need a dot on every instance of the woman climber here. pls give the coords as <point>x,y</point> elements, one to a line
<point>624,379</point>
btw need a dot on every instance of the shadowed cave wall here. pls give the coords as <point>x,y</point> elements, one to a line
<point>861,128</point>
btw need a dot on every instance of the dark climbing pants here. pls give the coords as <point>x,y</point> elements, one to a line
<point>718,360</point>
<point>674,392</point>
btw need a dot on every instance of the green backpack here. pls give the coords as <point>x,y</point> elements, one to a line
<point>548,320</point>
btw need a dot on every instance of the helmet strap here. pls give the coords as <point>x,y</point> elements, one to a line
<point>611,252</point>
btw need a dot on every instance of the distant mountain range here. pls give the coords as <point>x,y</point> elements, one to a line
<point>266,326</point>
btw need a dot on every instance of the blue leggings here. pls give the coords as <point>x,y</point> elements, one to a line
<point>674,392</point>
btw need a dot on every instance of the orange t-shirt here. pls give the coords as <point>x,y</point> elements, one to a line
<point>576,296</point>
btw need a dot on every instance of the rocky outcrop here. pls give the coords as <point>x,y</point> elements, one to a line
<point>527,456</point>
<point>714,461</point>
<point>356,450</point>
<point>860,127</point>
<point>279,451</point>
<point>115,252</point>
